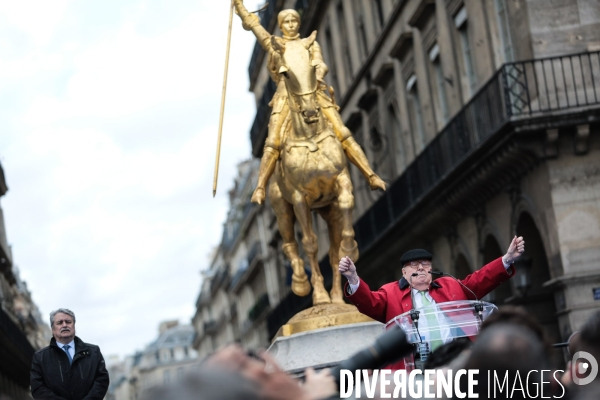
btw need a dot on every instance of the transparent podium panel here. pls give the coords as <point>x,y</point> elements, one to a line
<point>438,324</point>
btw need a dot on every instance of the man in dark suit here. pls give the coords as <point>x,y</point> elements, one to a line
<point>68,368</point>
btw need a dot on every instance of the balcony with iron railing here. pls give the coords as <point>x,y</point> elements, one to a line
<point>519,93</point>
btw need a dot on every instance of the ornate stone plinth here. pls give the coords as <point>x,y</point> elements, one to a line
<point>322,316</point>
<point>324,347</point>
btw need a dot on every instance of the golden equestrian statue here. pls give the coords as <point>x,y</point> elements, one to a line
<point>306,151</point>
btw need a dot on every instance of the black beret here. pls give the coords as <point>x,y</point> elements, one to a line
<point>415,254</point>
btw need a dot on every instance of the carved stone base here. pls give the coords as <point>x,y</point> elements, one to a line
<point>323,348</point>
<point>322,316</point>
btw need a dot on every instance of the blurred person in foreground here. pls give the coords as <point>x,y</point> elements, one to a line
<point>510,351</point>
<point>258,375</point>
<point>68,368</point>
<point>517,315</point>
<point>208,384</point>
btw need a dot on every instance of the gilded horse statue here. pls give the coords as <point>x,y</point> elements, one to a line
<point>312,175</point>
<point>306,155</point>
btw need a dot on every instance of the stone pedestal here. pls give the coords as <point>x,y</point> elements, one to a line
<point>323,348</point>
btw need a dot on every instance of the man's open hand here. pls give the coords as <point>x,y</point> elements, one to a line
<point>348,269</point>
<point>515,250</point>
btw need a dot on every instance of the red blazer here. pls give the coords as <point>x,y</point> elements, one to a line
<point>393,298</point>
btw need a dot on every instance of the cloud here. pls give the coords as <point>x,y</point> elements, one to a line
<point>109,129</point>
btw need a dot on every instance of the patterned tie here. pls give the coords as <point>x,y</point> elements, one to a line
<point>434,328</point>
<point>66,348</point>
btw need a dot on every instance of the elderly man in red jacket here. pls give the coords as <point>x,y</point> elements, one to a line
<point>394,298</point>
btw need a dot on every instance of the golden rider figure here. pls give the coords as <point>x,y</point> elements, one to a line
<point>289,23</point>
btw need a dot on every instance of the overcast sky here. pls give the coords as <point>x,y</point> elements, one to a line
<point>108,123</point>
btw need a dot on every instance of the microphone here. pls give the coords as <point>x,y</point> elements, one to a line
<point>414,314</point>
<point>388,348</point>
<point>478,306</point>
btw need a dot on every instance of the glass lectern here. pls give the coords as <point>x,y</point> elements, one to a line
<point>439,323</point>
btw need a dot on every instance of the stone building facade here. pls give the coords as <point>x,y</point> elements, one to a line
<point>165,361</point>
<point>483,118</point>
<point>22,330</point>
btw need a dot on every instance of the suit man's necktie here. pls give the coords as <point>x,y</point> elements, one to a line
<point>66,348</point>
<point>433,324</point>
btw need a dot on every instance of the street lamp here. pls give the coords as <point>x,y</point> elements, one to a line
<point>522,279</point>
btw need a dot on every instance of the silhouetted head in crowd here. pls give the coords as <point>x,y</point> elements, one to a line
<point>519,316</point>
<point>589,336</point>
<point>573,342</point>
<point>207,384</point>
<point>447,353</point>
<point>508,349</point>
<point>586,340</point>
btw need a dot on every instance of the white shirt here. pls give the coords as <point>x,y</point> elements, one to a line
<point>423,324</point>
<point>71,349</point>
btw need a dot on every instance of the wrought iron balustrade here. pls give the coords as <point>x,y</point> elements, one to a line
<point>551,84</point>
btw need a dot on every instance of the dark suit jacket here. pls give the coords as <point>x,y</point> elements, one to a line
<point>52,378</point>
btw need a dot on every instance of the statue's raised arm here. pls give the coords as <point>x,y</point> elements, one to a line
<point>251,22</point>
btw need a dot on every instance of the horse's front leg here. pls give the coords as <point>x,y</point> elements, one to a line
<point>332,216</point>
<point>310,245</point>
<point>285,220</point>
<point>348,246</point>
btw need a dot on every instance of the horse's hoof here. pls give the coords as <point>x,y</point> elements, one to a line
<point>337,299</point>
<point>375,182</point>
<point>300,286</point>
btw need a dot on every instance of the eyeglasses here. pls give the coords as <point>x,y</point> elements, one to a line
<point>415,264</point>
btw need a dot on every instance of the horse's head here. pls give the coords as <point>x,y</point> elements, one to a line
<point>300,77</point>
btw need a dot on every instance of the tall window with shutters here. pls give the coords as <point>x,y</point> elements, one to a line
<point>359,13</point>
<point>504,30</point>
<point>348,71</point>
<point>466,50</point>
<point>414,113</point>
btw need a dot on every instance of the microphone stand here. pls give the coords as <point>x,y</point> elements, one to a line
<point>414,315</point>
<point>478,306</point>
